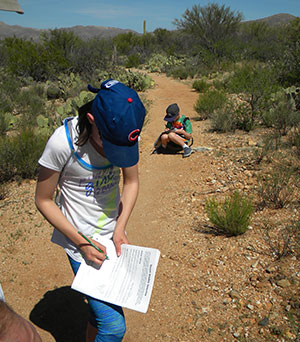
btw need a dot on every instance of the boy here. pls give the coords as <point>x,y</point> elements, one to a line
<point>178,130</point>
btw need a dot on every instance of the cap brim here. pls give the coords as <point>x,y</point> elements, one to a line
<point>170,119</point>
<point>121,156</point>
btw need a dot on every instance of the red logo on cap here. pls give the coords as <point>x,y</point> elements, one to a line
<point>129,99</point>
<point>133,135</point>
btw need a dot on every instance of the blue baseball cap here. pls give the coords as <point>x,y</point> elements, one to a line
<point>119,115</point>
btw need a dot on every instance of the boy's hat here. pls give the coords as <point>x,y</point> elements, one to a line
<point>172,112</point>
<point>119,115</point>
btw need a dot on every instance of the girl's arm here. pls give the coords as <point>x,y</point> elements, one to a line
<point>128,199</point>
<point>45,189</point>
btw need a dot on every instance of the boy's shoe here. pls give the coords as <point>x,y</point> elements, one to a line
<point>187,151</point>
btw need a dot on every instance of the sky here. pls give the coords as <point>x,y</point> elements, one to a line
<point>131,14</point>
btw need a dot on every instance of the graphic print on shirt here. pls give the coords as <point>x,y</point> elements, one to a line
<point>102,183</point>
<point>177,124</point>
<point>109,208</point>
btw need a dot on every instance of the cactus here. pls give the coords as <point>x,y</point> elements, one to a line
<point>293,94</point>
<point>70,108</point>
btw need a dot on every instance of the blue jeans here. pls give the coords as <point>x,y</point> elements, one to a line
<point>107,318</point>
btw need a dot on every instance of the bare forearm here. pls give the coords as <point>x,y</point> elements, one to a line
<point>56,218</point>
<point>128,200</point>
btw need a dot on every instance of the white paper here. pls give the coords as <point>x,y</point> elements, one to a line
<point>126,281</point>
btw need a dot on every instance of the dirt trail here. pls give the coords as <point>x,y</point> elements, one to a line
<point>208,288</point>
<point>158,173</point>
<point>152,221</point>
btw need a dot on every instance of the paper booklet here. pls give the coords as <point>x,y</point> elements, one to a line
<point>126,281</point>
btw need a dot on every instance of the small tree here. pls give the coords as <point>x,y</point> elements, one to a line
<point>253,83</point>
<point>288,65</point>
<point>211,26</point>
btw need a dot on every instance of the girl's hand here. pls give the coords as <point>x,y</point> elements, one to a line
<point>119,238</point>
<point>91,252</point>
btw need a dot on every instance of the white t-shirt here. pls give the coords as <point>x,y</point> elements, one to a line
<point>89,199</point>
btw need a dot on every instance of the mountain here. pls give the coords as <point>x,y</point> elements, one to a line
<point>84,32</point>
<point>276,20</point>
<point>87,32</point>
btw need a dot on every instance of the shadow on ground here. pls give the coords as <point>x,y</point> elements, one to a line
<point>63,313</point>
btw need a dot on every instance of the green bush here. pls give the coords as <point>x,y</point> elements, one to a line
<point>30,102</point>
<point>4,123</point>
<point>161,63</point>
<point>242,117</point>
<point>208,102</point>
<point>295,141</point>
<point>219,85</point>
<point>232,216</point>
<point>222,120</point>
<point>179,72</point>
<point>19,155</point>
<point>133,61</point>
<point>253,84</point>
<point>135,80</point>
<point>201,86</point>
<point>282,115</point>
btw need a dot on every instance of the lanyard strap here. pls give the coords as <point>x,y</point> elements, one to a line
<point>84,164</point>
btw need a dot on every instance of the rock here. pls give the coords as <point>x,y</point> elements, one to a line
<point>227,301</point>
<point>251,142</point>
<point>264,322</point>
<point>234,294</point>
<point>263,285</point>
<point>273,315</point>
<point>201,149</point>
<point>283,283</point>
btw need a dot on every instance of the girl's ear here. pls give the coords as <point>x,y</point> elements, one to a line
<point>90,118</point>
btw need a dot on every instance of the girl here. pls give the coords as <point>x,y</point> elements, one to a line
<point>106,136</point>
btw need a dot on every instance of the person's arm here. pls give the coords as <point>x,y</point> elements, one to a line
<point>45,189</point>
<point>188,131</point>
<point>187,135</point>
<point>14,327</point>
<point>128,199</point>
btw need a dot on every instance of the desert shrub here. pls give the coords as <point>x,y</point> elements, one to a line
<point>19,155</point>
<point>222,120</point>
<point>283,241</point>
<point>30,102</point>
<point>210,101</point>
<point>65,86</point>
<point>219,85</point>
<point>232,216</point>
<point>53,92</point>
<point>160,63</point>
<point>231,117</point>
<point>268,146</point>
<point>295,141</point>
<point>9,87</point>
<point>3,191</point>
<point>179,72</point>
<point>282,115</point>
<point>274,188</point>
<point>133,61</point>
<point>242,117</point>
<point>135,80</point>
<point>253,84</point>
<point>4,123</point>
<point>201,86</point>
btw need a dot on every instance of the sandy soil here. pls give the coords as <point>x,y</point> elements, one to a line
<point>208,287</point>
